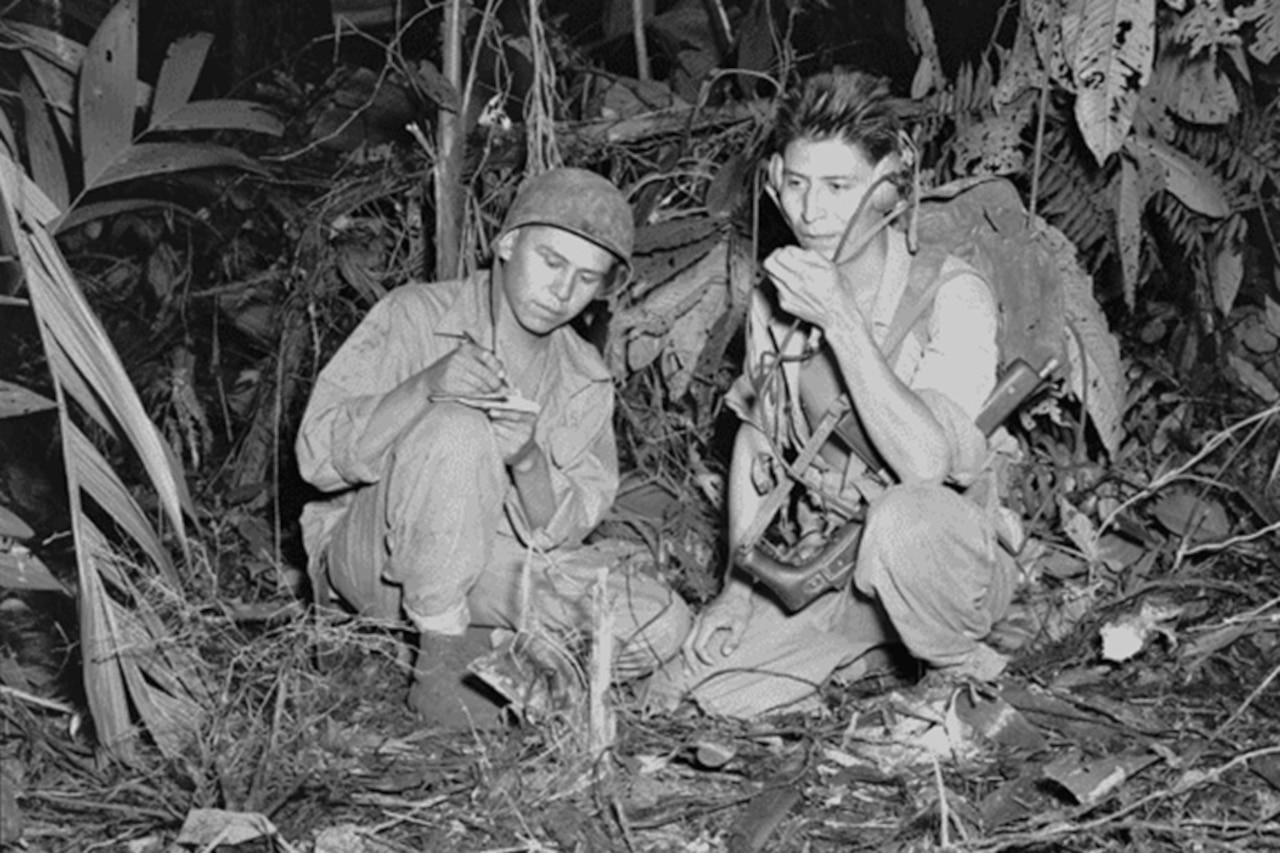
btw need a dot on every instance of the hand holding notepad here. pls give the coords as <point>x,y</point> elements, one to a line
<point>491,402</point>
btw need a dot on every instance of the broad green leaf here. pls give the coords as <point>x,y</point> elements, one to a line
<point>1129,228</point>
<point>929,74</point>
<point>151,159</point>
<point>20,569</point>
<point>124,657</point>
<point>1227,270</point>
<point>1191,183</point>
<point>100,640</point>
<point>1253,379</point>
<point>168,710</point>
<point>220,115</point>
<point>1097,375</point>
<point>45,156</point>
<point>1205,94</point>
<point>109,91</point>
<point>1053,26</point>
<point>13,527</point>
<point>91,360</point>
<point>83,213</point>
<point>1080,529</point>
<point>435,85</point>
<point>56,67</point>
<point>1190,515</point>
<point>66,52</point>
<point>1272,313</point>
<point>165,682</point>
<point>179,73</point>
<point>61,306</point>
<point>1265,17</point>
<point>8,137</point>
<point>1111,63</point>
<point>16,400</point>
<point>1020,69</point>
<point>74,385</point>
<point>59,88</point>
<point>104,485</point>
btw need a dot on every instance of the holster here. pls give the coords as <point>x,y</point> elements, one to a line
<point>797,585</point>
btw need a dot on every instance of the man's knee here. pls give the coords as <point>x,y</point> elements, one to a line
<point>448,430</point>
<point>906,517</point>
<point>925,543</point>
<point>929,557</point>
<point>447,447</point>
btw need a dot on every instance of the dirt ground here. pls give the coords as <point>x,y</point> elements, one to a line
<point>1173,748</point>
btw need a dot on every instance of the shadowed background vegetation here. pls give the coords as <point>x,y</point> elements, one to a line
<point>201,200</point>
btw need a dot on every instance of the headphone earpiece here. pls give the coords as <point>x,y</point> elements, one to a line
<point>886,193</point>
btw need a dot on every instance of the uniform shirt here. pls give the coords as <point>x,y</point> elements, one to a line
<point>949,360</point>
<point>410,329</point>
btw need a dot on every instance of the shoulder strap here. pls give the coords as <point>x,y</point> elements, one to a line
<point>915,303</point>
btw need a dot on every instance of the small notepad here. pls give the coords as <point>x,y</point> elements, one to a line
<point>490,402</point>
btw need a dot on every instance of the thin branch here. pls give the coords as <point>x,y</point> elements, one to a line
<point>39,702</point>
<point>1180,472</point>
<point>1257,691</point>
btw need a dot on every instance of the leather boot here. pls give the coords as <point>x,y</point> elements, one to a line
<point>443,692</point>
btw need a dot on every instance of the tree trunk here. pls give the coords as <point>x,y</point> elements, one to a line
<point>450,146</point>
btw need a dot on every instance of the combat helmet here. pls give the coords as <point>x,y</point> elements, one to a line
<point>580,202</point>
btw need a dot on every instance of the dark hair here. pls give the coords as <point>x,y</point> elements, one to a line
<point>851,106</point>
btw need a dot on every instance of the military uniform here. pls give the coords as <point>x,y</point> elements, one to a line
<point>930,572</point>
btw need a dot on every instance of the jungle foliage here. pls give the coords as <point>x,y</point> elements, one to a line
<point>182,261</point>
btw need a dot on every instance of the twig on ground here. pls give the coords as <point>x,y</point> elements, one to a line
<point>1274,527</point>
<point>1188,781</point>
<point>944,812</point>
<point>1257,691</point>
<point>39,702</point>
<point>1182,470</point>
<point>101,805</point>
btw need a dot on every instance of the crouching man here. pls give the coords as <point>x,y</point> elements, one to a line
<point>906,347</point>
<point>458,512</point>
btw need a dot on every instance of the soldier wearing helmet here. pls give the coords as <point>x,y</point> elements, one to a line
<point>463,437</point>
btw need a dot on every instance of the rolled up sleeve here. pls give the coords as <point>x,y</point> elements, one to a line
<point>331,453</point>
<point>957,369</point>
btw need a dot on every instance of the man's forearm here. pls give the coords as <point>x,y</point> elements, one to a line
<point>531,473</point>
<point>897,421</point>
<point>744,500</point>
<point>399,407</point>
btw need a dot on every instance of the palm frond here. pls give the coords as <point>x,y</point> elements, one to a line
<point>1075,196</point>
<point>120,632</point>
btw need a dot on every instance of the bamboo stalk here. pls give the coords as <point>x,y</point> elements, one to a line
<point>642,49</point>
<point>601,724</point>
<point>447,189</point>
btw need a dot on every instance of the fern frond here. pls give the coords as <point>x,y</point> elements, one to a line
<point>1074,195</point>
<point>1243,151</point>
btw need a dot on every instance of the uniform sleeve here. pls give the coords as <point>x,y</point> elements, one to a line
<point>583,457</point>
<point>331,453</point>
<point>957,370</point>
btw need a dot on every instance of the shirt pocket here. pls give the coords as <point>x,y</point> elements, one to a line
<point>574,430</point>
